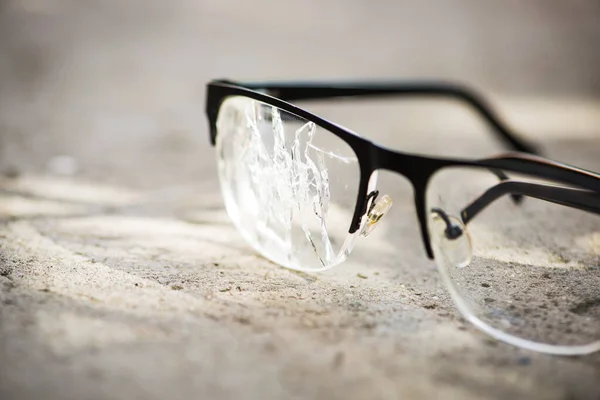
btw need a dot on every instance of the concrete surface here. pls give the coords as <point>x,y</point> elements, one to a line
<point>120,274</point>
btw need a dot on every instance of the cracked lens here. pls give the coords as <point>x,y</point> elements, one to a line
<point>289,185</point>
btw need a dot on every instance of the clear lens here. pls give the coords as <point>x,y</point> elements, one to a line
<point>526,272</point>
<point>289,185</point>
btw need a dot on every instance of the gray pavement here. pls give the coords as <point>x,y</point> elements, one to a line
<point>120,273</point>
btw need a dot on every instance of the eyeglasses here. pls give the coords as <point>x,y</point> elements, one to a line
<point>516,237</point>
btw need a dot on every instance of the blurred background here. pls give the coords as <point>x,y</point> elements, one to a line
<point>113,90</point>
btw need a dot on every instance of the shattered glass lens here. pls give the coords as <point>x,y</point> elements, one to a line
<point>524,268</point>
<point>289,185</point>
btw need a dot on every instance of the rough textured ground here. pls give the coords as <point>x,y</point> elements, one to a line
<point>120,274</point>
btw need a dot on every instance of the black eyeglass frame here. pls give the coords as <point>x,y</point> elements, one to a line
<point>419,169</point>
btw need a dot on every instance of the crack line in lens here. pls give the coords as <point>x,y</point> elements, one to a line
<point>290,179</point>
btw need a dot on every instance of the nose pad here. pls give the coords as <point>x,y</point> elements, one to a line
<point>450,239</point>
<point>376,211</point>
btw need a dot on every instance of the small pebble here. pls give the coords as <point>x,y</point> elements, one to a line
<point>524,361</point>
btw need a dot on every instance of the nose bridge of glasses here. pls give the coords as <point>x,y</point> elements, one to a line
<point>417,170</point>
<point>377,205</point>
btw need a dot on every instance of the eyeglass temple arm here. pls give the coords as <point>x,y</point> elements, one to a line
<point>313,91</point>
<point>545,169</point>
<point>581,199</point>
<point>517,198</point>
